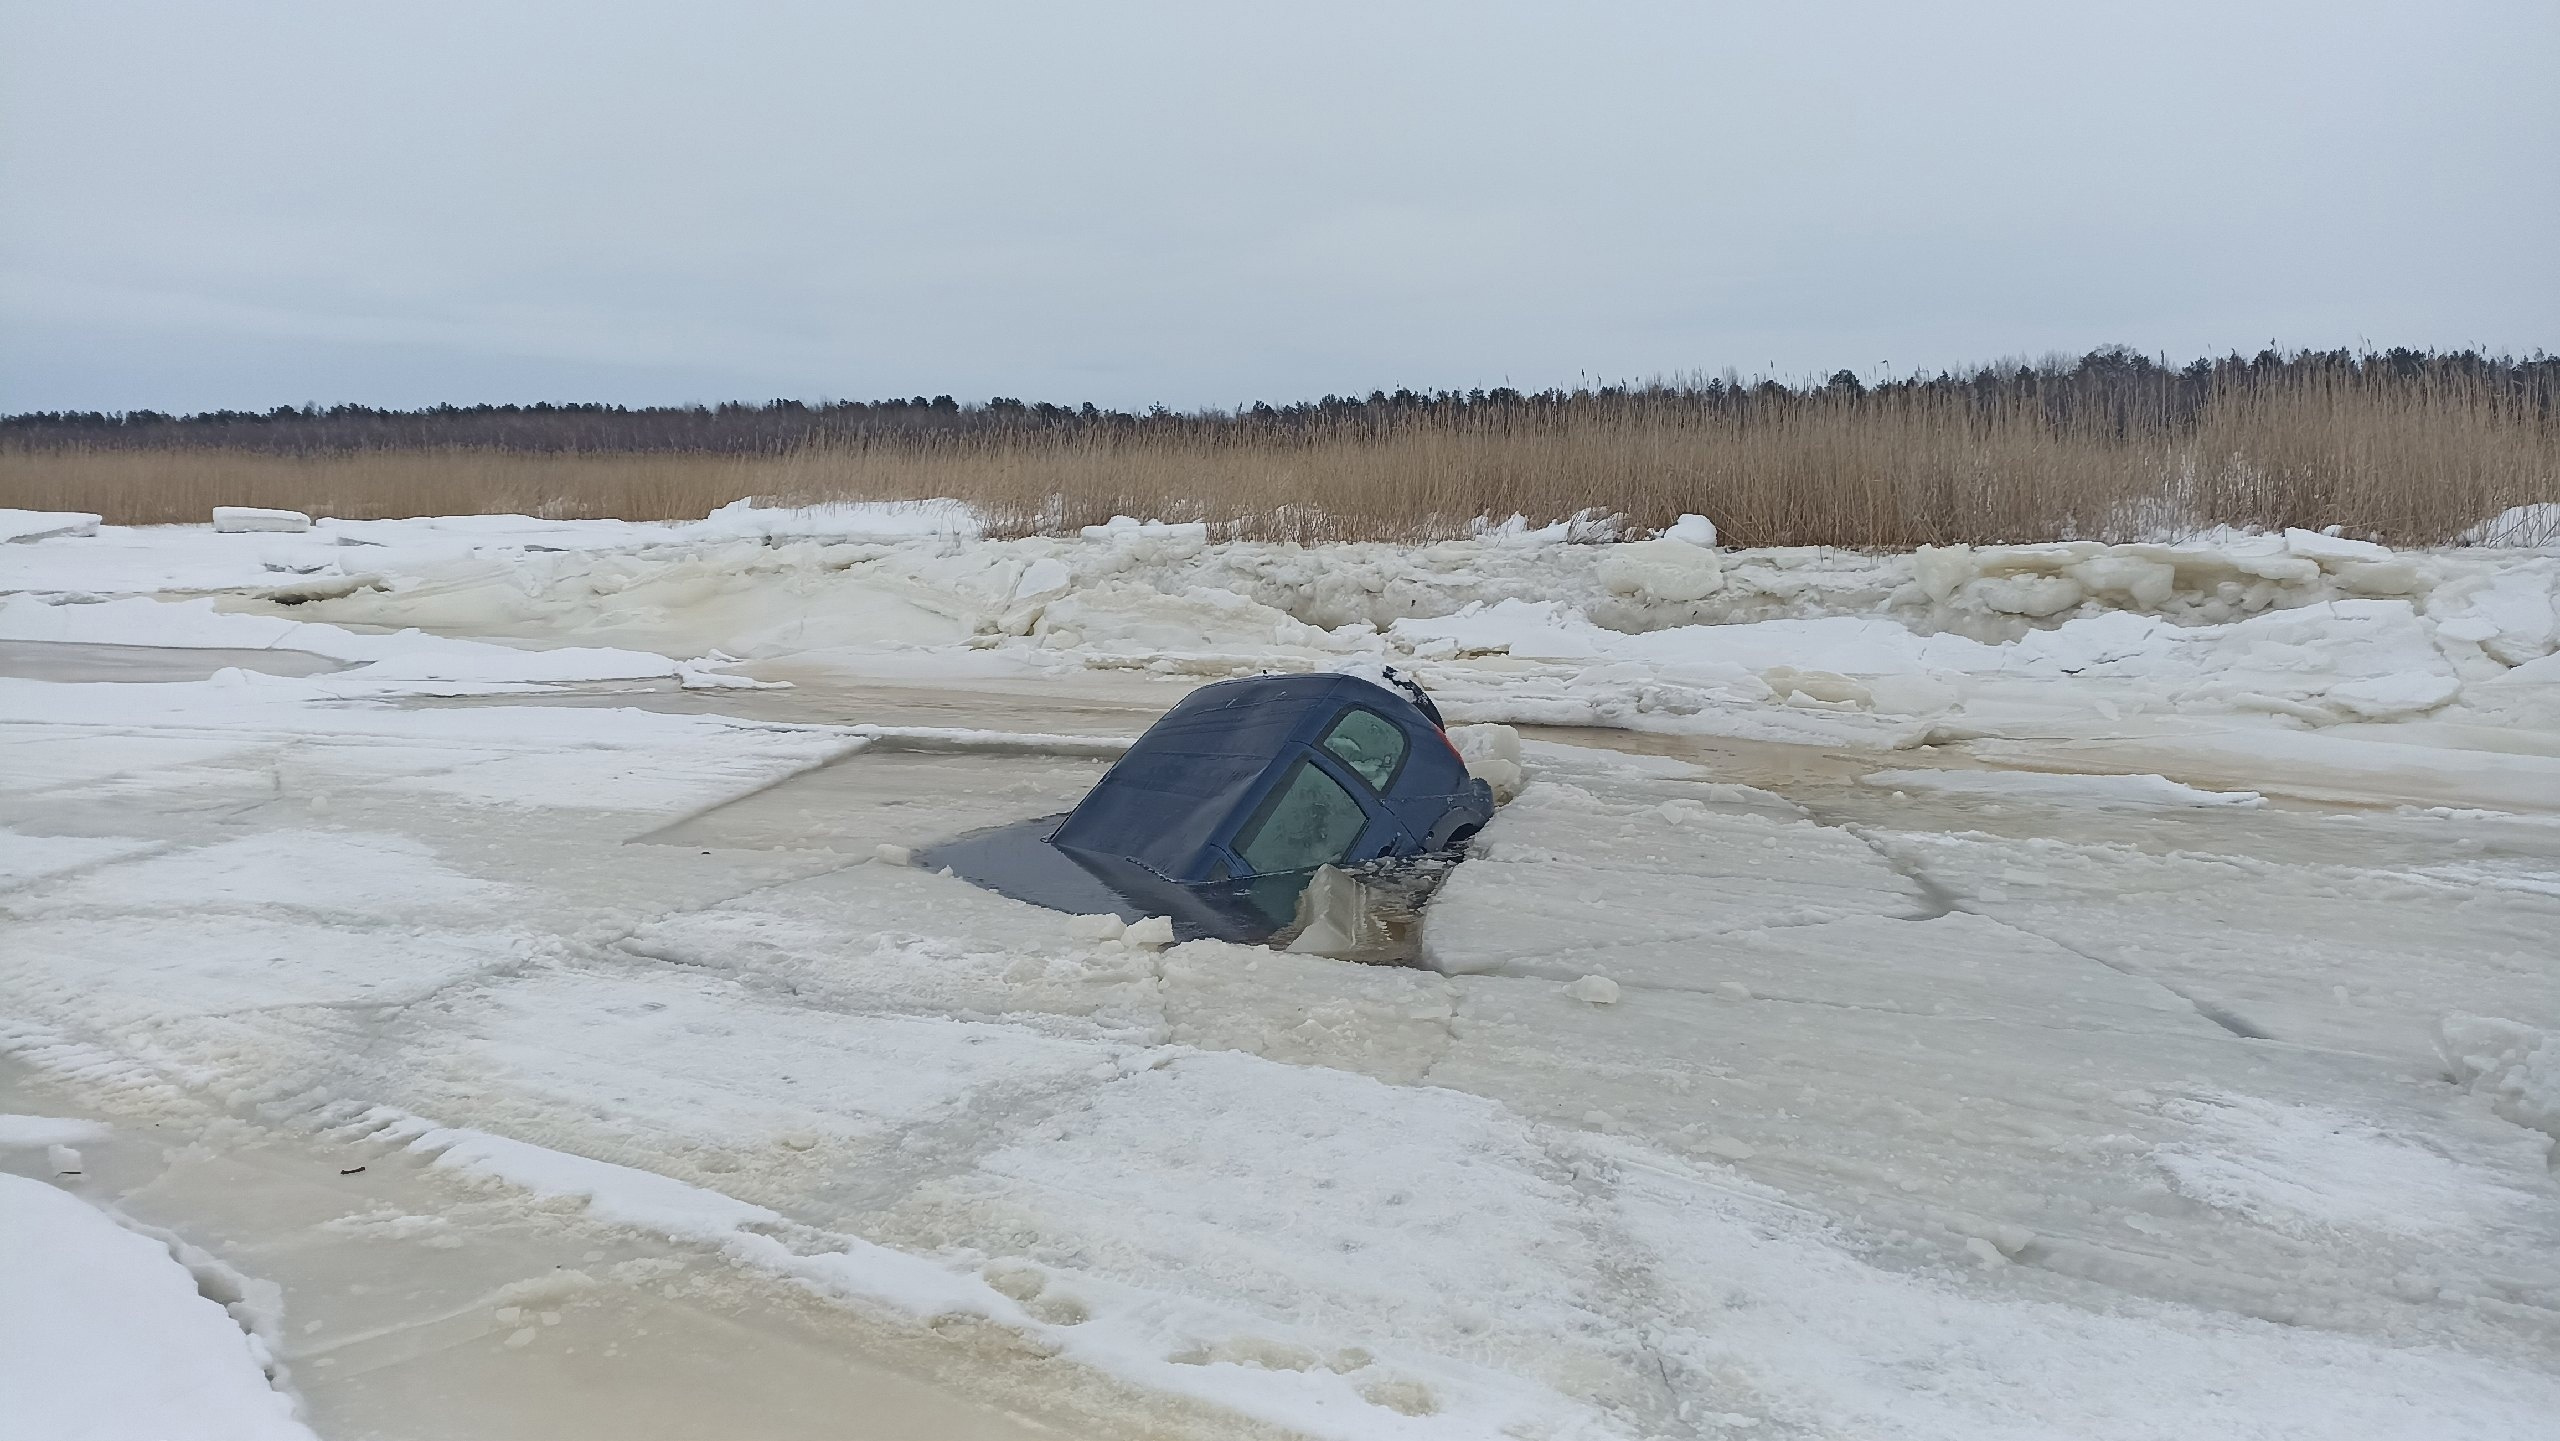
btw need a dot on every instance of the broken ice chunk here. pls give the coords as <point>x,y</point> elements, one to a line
<point>1096,928</point>
<point>1597,990</point>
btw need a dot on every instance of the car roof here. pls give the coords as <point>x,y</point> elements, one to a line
<point>1182,782</point>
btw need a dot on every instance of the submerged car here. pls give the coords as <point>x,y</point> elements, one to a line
<point>1221,814</point>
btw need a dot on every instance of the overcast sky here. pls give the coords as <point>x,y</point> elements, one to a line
<point>247,203</point>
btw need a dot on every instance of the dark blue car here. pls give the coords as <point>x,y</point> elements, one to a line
<point>1220,813</point>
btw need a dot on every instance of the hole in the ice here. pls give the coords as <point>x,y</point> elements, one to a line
<point>1371,914</point>
<point>872,799</point>
<point>1373,917</point>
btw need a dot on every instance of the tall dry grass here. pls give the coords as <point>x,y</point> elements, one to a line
<point>2413,461</point>
<point>181,485</point>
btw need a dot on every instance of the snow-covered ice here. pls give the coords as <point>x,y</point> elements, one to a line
<point>46,1132</point>
<point>2102,790</point>
<point>2057,990</point>
<point>2515,1065</point>
<point>247,519</point>
<point>105,1336</point>
<point>23,525</point>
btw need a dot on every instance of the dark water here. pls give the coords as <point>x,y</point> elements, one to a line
<point>1375,910</point>
<point>1017,860</point>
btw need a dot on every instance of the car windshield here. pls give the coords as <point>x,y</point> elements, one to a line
<point>1369,743</point>
<point>1310,821</point>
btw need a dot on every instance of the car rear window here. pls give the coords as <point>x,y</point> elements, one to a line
<point>1369,743</point>
<point>1309,821</point>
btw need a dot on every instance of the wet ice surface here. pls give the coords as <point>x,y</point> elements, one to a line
<point>72,661</point>
<point>1860,1088</point>
<point>884,796</point>
<point>1960,1056</point>
<point>398,1303</point>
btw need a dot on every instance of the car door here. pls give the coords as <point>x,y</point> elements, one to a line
<point>1316,814</point>
<point>1301,822</point>
<point>1377,753</point>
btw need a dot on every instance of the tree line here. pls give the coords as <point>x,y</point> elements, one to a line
<point>2110,390</point>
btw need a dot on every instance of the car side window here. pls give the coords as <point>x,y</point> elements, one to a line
<point>1310,821</point>
<point>1370,744</point>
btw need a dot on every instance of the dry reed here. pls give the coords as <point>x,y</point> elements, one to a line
<point>2413,462</point>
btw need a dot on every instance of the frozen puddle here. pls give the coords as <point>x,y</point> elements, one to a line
<point>410,1307</point>
<point>84,661</point>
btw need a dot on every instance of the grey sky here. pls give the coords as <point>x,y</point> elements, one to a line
<point>246,204</point>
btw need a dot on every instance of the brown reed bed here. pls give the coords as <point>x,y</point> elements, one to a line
<point>2412,459</point>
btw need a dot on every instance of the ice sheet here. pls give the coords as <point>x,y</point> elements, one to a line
<point>1930,1039</point>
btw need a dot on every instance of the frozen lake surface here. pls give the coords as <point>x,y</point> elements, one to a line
<point>1941,1026</point>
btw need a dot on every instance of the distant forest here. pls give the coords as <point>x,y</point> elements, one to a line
<point>2111,388</point>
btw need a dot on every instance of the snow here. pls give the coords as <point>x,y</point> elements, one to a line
<point>389,661</point>
<point>242,519</point>
<point>46,1132</point>
<point>1516,533</point>
<point>2295,1167</point>
<point>1492,754</point>
<point>1043,578</point>
<point>2371,655</point>
<point>1916,1357</point>
<point>604,760</point>
<point>1598,990</point>
<point>1667,635</point>
<point>134,560</point>
<point>24,858</point>
<point>303,872</point>
<point>2519,525</point>
<point>2004,991</point>
<point>2512,615</point>
<point>871,521</point>
<point>2323,546</point>
<point>2103,790</point>
<point>623,1196</point>
<point>2515,1065</point>
<point>1671,570</point>
<point>104,1337</point>
<point>1694,529</point>
<point>22,525</point>
<point>1151,537</point>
